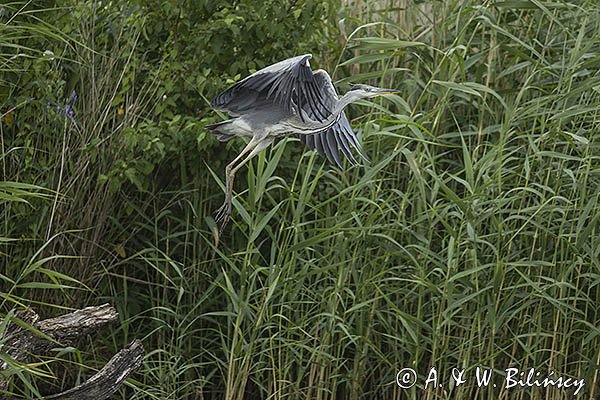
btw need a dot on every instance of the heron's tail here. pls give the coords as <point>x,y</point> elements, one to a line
<point>222,130</point>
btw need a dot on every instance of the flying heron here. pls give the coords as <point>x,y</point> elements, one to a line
<point>287,98</point>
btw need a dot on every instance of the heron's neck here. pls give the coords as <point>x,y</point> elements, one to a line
<point>348,98</point>
<point>314,126</point>
<point>339,107</point>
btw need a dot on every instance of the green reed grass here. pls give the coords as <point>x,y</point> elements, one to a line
<point>470,239</point>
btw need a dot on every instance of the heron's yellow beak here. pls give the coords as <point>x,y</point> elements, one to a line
<point>389,91</point>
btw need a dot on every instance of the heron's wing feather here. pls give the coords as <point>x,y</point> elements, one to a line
<point>284,84</point>
<point>339,136</point>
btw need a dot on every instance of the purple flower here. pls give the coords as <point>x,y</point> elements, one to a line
<point>3,11</point>
<point>68,112</point>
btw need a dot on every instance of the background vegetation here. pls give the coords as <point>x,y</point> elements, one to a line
<point>471,239</point>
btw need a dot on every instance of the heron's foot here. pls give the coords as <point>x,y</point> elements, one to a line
<point>223,215</point>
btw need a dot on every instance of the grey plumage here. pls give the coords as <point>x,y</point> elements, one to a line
<point>283,99</point>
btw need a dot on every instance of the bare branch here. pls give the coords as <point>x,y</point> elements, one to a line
<point>109,378</point>
<point>32,337</point>
<point>21,342</point>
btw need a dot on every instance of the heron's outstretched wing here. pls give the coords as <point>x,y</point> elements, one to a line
<point>284,84</point>
<point>340,135</point>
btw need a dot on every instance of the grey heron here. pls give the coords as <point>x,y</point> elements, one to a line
<point>287,98</point>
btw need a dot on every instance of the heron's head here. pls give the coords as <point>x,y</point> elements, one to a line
<point>367,91</point>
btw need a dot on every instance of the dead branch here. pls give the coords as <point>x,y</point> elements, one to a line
<point>26,337</point>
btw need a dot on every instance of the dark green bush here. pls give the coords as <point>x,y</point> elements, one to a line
<point>144,73</point>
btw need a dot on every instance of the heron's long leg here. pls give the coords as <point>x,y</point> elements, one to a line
<point>256,146</point>
<point>224,211</point>
<point>251,144</point>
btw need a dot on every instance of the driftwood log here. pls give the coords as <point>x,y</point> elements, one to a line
<point>21,343</point>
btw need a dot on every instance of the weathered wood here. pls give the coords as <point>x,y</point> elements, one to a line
<point>21,343</point>
<point>109,378</point>
<point>11,339</point>
<point>59,331</point>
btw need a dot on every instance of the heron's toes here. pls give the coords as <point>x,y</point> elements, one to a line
<point>223,214</point>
